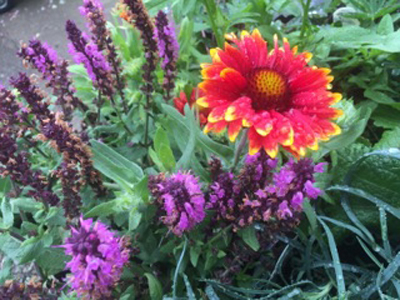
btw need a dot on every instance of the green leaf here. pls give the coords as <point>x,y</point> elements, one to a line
<point>155,287</point>
<point>386,117</point>
<point>115,166</point>
<point>336,261</point>
<point>156,160</point>
<point>167,157</point>
<point>358,192</point>
<point>102,210</point>
<point>134,219</point>
<point>26,204</point>
<point>385,26</point>
<point>390,139</point>
<point>248,235</point>
<point>387,274</point>
<point>378,97</point>
<point>189,289</point>
<point>194,255</point>
<point>370,181</point>
<point>211,294</point>
<point>186,157</point>
<point>52,260</point>
<point>5,186</point>
<point>202,140</point>
<point>350,133</point>
<point>7,213</point>
<point>10,246</point>
<point>160,138</point>
<point>31,249</point>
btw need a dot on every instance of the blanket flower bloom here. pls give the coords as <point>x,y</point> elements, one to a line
<point>98,258</point>
<point>181,198</point>
<point>283,101</point>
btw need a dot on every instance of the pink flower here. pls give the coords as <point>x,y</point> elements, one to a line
<point>98,257</point>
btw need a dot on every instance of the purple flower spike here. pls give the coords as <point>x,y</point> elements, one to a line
<point>87,52</point>
<point>181,198</point>
<point>262,192</point>
<point>93,11</point>
<point>98,257</point>
<point>44,58</point>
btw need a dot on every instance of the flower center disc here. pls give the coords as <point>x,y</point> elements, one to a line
<point>268,90</point>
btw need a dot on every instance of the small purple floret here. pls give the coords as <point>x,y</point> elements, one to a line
<point>181,198</point>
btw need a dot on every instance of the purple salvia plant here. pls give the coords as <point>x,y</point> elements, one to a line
<point>261,193</point>
<point>180,198</point>
<point>34,289</point>
<point>55,71</point>
<point>168,48</point>
<point>60,133</point>
<point>12,112</point>
<point>98,258</point>
<point>85,51</point>
<point>16,165</point>
<point>136,13</point>
<point>93,11</point>
<point>71,186</point>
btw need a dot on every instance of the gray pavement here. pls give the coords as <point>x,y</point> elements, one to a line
<point>43,18</point>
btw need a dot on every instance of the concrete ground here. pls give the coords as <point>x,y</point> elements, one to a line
<point>43,18</point>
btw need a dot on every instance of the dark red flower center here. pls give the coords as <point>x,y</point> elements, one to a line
<point>268,90</point>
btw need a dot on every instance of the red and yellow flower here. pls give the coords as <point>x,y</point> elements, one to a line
<point>283,101</point>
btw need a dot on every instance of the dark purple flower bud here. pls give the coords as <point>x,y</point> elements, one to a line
<point>44,58</point>
<point>16,165</point>
<point>181,198</point>
<point>137,14</point>
<point>263,194</point>
<point>54,128</point>
<point>34,289</point>
<point>168,48</point>
<point>71,186</point>
<point>87,52</point>
<point>12,112</point>
<point>98,258</point>
<point>93,11</point>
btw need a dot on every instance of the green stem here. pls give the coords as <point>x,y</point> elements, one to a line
<point>306,8</point>
<point>36,147</point>
<point>178,267</point>
<point>219,234</point>
<point>212,11</point>
<point>239,149</point>
<point>120,116</point>
<point>146,125</point>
